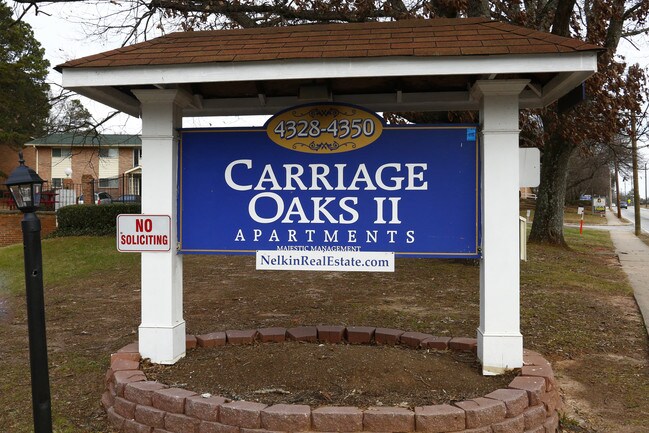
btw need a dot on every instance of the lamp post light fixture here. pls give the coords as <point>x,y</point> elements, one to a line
<point>25,186</point>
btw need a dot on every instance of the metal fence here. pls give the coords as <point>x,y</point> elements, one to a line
<point>51,198</point>
<point>6,200</point>
<point>120,189</point>
<point>126,188</point>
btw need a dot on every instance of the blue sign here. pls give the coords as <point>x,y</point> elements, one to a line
<point>341,182</point>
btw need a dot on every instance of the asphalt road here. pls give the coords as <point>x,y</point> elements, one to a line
<point>644,217</point>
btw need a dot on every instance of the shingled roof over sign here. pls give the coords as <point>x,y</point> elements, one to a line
<point>419,38</point>
<point>410,65</point>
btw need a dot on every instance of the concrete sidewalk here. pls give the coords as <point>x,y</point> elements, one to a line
<point>634,257</point>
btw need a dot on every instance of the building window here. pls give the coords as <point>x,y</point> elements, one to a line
<point>58,152</point>
<point>57,182</point>
<point>111,182</point>
<point>137,156</point>
<point>108,152</point>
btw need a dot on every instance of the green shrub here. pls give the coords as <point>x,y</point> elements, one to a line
<point>84,220</point>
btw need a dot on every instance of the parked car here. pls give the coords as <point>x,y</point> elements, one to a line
<point>100,198</point>
<point>128,198</point>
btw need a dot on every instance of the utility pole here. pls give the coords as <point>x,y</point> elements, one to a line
<point>610,189</point>
<point>636,192</point>
<point>617,190</point>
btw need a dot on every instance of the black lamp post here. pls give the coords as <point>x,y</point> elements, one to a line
<point>25,186</point>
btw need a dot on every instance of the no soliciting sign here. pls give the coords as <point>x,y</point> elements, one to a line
<point>136,233</point>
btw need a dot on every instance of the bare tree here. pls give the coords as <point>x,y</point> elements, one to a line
<point>614,89</point>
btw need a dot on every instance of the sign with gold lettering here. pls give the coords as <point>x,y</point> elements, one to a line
<point>324,128</point>
<point>330,177</point>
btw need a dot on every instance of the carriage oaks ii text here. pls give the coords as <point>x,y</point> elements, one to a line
<point>319,208</point>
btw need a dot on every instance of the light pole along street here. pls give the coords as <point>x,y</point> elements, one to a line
<point>25,186</point>
<point>636,188</point>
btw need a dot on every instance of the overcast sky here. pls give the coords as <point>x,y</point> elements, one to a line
<point>64,38</point>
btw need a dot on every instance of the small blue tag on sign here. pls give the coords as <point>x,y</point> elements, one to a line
<point>470,134</point>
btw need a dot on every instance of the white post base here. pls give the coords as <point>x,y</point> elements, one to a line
<point>499,353</point>
<point>162,345</point>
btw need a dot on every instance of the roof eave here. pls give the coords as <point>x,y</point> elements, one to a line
<point>100,83</point>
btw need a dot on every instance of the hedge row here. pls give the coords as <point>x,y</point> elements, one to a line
<point>84,220</point>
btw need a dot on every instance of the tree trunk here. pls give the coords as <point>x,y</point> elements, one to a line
<point>617,190</point>
<point>562,17</point>
<point>478,8</point>
<point>548,216</point>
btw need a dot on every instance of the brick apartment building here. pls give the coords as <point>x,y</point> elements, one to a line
<point>69,157</point>
<point>113,161</point>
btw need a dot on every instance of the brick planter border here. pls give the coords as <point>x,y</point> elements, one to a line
<point>530,403</point>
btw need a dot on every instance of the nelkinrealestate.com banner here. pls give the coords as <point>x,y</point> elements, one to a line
<point>330,177</point>
<point>325,261</point>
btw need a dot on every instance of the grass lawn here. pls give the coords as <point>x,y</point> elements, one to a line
<point>577,309</point>
<point>570,216</point>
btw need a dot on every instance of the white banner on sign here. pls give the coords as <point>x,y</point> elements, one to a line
<point>136,233</point>
<point>355,261</point>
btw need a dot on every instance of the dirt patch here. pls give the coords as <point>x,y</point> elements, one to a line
<point>590,402</point>
<point>330,374</point>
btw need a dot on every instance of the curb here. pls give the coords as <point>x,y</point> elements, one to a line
<point>531,402</point>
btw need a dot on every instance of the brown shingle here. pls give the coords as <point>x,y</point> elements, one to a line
<point>413,45</point>
<point>345,53</point>
<point>348,42</point>
<point>255,57</point>
<point>488,31</point>
<point>306,54</point>
<point>420,37</point>
<point>445,38</point>
<point>382,36</point>
<point>400,41</point>
<point>287,49</point>
<point>443,28</point>
<point>573,43</point>
<point>217,58</point>
<point>460,44</point>
<point>383,52</point>
<point>472,51</point>
<point>98,63</point>
<point>506,42</point>
<point>127,62</point>
<point>257,44</point>
<point>480,37</point>
<point>462,31</point>
<point>533,49</point>
<point>440,51</point>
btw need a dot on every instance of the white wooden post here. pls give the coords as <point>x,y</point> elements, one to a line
<point>162,330</point>
<point>500,343</point>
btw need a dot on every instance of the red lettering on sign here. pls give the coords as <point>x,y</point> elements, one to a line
<point>143,225</point>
